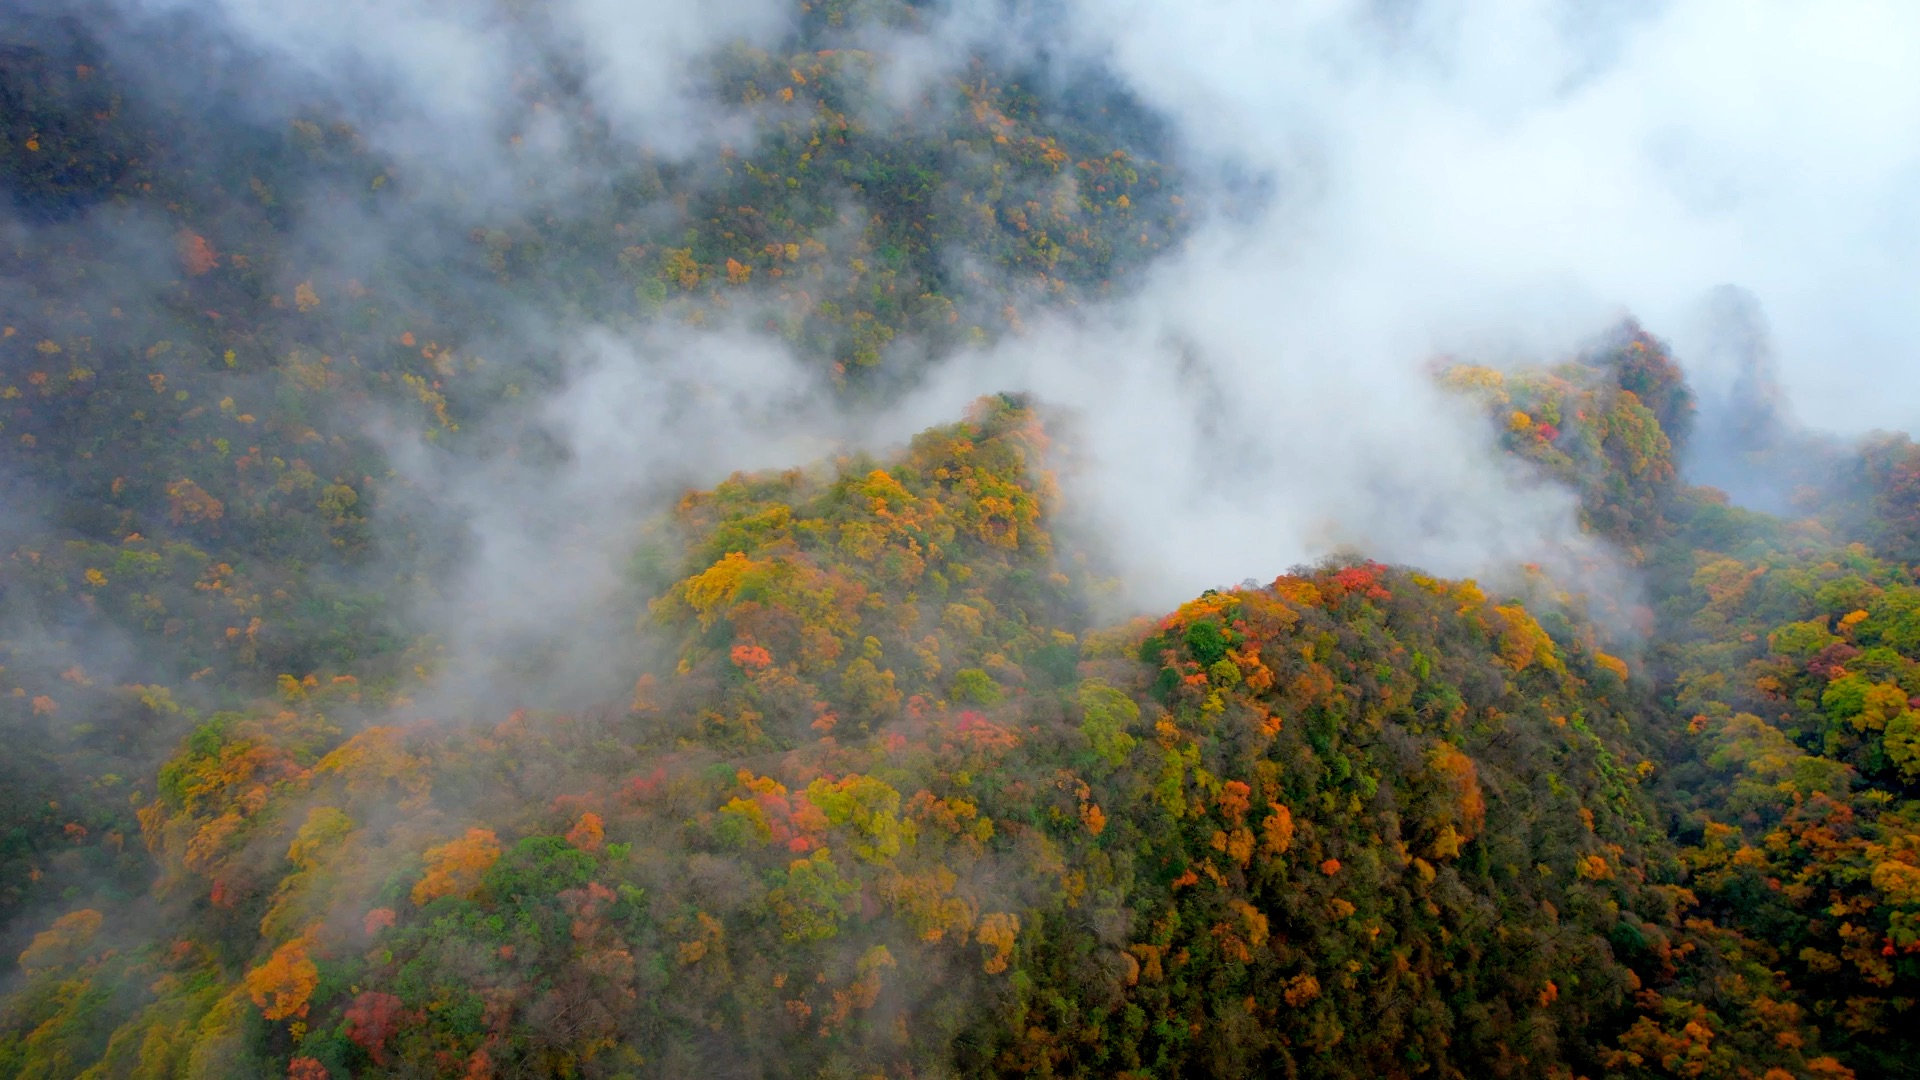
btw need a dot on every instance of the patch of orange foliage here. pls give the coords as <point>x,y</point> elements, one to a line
<point>455,868</point>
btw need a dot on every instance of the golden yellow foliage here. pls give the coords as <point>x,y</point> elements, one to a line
<point>718,584</point>
<point>456,867</point>
<point>1607,662</point>
<point>679,268</point>
<point>1899,882</point>
<point>63,942</point>
<point>188,502</point>
<point>1524,642</point>
<point>283,985</point>
<point>1482,381</point>
<point>712,933</point>
<point>1300,990</point>
<point>999,931</point>
<point>1458,776</point>
<point>1277,831</point>
<point>1255,922</point>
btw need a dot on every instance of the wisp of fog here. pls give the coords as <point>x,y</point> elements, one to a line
<point>1377,184</point>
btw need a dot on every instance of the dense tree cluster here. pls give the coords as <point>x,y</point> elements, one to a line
<point>1606,423</point>
<point>186,373</point>
<point>887,795</point>
<point>891,805</point>
<point>1784,652</point>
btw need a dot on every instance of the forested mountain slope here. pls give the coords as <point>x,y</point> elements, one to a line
<point>863,777</point>
<point>1784,653</point>
<point>203,401</point>
<point>895,806</point>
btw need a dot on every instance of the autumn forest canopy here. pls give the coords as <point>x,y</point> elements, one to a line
<point>567,565</point>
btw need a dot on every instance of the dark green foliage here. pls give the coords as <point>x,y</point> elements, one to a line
<point>1206,643</point>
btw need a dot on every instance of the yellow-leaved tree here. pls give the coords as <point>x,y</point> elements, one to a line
<point>456,867</point>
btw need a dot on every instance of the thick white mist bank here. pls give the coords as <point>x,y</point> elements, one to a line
<point>1496,179</point>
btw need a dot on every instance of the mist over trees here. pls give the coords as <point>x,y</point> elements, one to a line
<point>580,539</point>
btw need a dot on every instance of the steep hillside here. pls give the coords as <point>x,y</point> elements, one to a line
<point>221,330</point>
<point>1785,656</point>
<point>893,807</point>
<point>378,700</point>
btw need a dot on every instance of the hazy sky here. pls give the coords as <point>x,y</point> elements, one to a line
<point>1509,160</point>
